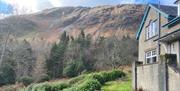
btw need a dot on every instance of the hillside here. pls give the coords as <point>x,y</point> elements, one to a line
<point>98,21</point>
<point>33,51</point>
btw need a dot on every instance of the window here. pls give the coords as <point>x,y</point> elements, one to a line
<point>178,9</point>
<point>151,30</point>
<point>172,48</point>
<point>154,28</point>
<point>151,56</point>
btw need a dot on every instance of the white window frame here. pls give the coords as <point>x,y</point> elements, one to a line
<point>154,28</point>
<point>178,9</point>
<point>150,55</point>
<point>151,30</point>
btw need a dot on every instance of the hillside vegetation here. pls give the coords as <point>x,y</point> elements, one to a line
<point>124,84</point>
<point>68,58</point>
<point>67,42</point>
<point>86,82</point>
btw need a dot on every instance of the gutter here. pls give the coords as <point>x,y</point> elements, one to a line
<point>172,22</point>
<point>167,34</point>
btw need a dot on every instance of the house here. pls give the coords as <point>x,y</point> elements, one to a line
<point>158,65</point>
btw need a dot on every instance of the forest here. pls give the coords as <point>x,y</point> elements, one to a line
<point>69,57</point>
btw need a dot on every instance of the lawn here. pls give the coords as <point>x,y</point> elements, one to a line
<point>119,85</point>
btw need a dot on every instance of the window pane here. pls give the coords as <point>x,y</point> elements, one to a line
<point>153,52</point>
<point>154,59</point>
<point>147,33</point>
<point>150,30</point>
<point>148,54</point>
<point>148,60</point>
<point>155,28</point>
<point>151,56</point>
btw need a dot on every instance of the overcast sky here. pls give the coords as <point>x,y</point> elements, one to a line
<point>6,6</point>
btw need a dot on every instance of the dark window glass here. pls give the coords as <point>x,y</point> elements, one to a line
<point>148,60</point>
<point>154,59</point>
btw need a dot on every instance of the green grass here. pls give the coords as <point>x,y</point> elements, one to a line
<point>86,82</point>
<point>118,85</point>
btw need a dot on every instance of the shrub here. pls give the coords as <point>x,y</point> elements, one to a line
<point>41,87</point>
<point>43,78</point>
<point>86,82</point>
<point>73,69</point>
<point>76,79</point>
<point>109,76</point>
<point>98,76</point>
<point>116,74</point>
<point>26,80</point>
<point>7,75</point>
<point>29,88</point>
<point>70,89</point>
<point>57,86</point>
<point>89,85</point>
<point>68,70</point>
<point>86,85</point>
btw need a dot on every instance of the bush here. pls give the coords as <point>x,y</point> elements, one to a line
<point>58,86</point>
<point>116,74</point>
<point>26,80</point>
<point>98,76</point>
<point>73,69</point>
<point>86,82</point>
<point>43,78</point>
<point>93,81</point>
<point>109,76</point>
<point>76,79</point>
<point>46,87</point>
<point>89,85</point>
<point>7,75</point>
<point>86,85</point>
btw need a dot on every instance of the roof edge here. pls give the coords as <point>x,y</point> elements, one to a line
<point>142,22</point>
<point>172,22</point>
<point>145,16</point>
<point>176,1</point>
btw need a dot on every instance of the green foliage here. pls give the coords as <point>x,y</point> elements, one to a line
<point>83,40</point>
<point>89,85</point>
<point>94,81</point>
<point>103,77</point>
<point>56,86</point>
<point>56,59</point>
<point>7,75</point>
<point>73,68</point>
<point>124,84</point>
<point>76,79</point>
<point>99,77</point>
<point>86,85</point>
<point>43,78</point>
<point>26,80</point>
<point>85,82</point>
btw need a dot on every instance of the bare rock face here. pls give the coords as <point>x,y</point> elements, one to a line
<point>98,21</point>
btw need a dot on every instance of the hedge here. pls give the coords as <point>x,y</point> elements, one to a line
<point>26,80</point>
<point>87,82</point>
<point>94,81</point>
<point>46,87</point>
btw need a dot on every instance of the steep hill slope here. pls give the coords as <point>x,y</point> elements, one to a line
<point>98,21</point>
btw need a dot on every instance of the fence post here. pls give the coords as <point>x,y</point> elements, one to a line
<point>134,75</point>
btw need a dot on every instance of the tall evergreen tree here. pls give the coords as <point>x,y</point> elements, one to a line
<point>56,59</point>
